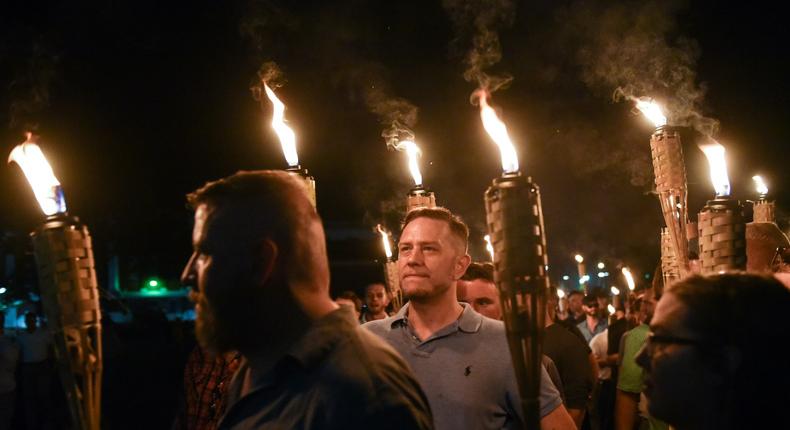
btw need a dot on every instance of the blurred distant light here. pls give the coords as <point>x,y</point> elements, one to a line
<point>565,277</point>
<point>601,265</point>
<point>3,290</point>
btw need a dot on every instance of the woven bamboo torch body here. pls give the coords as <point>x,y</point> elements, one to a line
<point>670,177</point>
<point>393,283</point>
<point>722,236</point>
<point>304,177</point>
<point>420,197</point>
<point>70,296</point>
<point>515,223</point>
<point>669,263</point>
<point>764,211</point>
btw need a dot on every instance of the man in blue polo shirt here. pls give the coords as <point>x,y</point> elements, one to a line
<point>460,358</point>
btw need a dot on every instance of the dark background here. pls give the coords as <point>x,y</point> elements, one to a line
<point>138,103</point>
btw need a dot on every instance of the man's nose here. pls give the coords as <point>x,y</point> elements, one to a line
<point>415,257</point>
<point>188,276</point>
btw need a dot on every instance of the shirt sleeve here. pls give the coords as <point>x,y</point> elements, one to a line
<point>549,396</point>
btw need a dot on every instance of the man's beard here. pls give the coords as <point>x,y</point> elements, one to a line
<point>225,325</point>
<point>418,294</point>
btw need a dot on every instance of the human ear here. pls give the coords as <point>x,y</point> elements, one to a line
<point>461,264</point>
<point>267,254</point>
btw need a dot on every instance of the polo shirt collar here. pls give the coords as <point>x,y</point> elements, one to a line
<point>469,321</point>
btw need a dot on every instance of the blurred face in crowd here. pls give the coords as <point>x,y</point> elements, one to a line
<point>482,295</point>
<point>591,308</point>
<point>575,304</point>
<point>676,375</point>
<point>376,298</point>
<point>430,260</point>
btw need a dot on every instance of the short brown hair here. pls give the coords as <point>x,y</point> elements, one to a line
<point>275,207</point>
<point>457,227</point>
<point>476,270</point>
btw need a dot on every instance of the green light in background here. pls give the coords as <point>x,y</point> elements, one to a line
<point>153,287</point>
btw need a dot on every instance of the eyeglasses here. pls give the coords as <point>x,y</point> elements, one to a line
<point>658,339</point>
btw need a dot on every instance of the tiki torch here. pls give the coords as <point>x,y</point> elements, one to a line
<point>582,271</point>
<point>418,196</point>
<point>391,271</point>
<point>722,230</point>
<point>763,236</point>
<point>489,247</point>
<point>69,291</point>
<point>670,271</point>
<point>515,224</point>
<point>670,178</point>
<point>288,143</point>
<point>764,210</point>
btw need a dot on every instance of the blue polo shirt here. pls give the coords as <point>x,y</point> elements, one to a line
<point>465,370</point>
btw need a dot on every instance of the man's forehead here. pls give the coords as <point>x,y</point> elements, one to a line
<point>374,288</point>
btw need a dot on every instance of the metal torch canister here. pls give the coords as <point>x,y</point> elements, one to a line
<point>393,283</point>
<point>420,197</point>
<point>69,293</point>
<point>669,264</point>
<point>515,223</point>
<point>670,178</point>
<point>722,236</point>
<point>308,181</point>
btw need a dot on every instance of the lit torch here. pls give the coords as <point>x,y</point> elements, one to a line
<point>489,247</point>
<point>391,271</point>
<point>69,291</point>
<point>629,278</point>
<point>582,271</point>
<point>764,210</point>
<point>288,142</point>
<point>722,232</point>
<point>670,177</point>
<point>515,225</point>
<point>419,196</point>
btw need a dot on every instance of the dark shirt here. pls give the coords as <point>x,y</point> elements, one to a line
<point>337,376</point>
<point>571,356</point>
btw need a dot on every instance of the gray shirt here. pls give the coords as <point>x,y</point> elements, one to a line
<point>466,371</point>
<point>337,376</point>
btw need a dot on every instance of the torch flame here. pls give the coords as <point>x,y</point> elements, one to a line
<point>39,174</point>
<point>651,110</point>
<point>615,291</point>
<point>385,239</point>
<point>629,278</point>
<point>413,153</point>
<point>489,246</point>
<point>286,135</point>
<point>498,132</point>
<point>762,188</point>
<point>718,168</point>
<point>579,259</point>
<point>560,293</point>
<point>611,309</point>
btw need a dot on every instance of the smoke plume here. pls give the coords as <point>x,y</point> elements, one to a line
<point>633,50</point>
<point>476,22</point>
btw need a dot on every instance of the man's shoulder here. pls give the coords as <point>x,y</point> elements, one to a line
<point>381,327</point>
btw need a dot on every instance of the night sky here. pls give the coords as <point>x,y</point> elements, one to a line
<point>137,103</point>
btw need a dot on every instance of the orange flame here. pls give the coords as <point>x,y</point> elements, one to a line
<point>498,132</point>
<point>629,278</point>
<point>286,135</point>
<point>413,153</point>
<point>385,239</point>
<point>40,176</point>
<point>759,183</point>
<point>718,168</point>
<point>489,246</point>
<point>651,110</point>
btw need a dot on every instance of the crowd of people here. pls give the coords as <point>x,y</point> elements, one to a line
<point>276,351</point>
